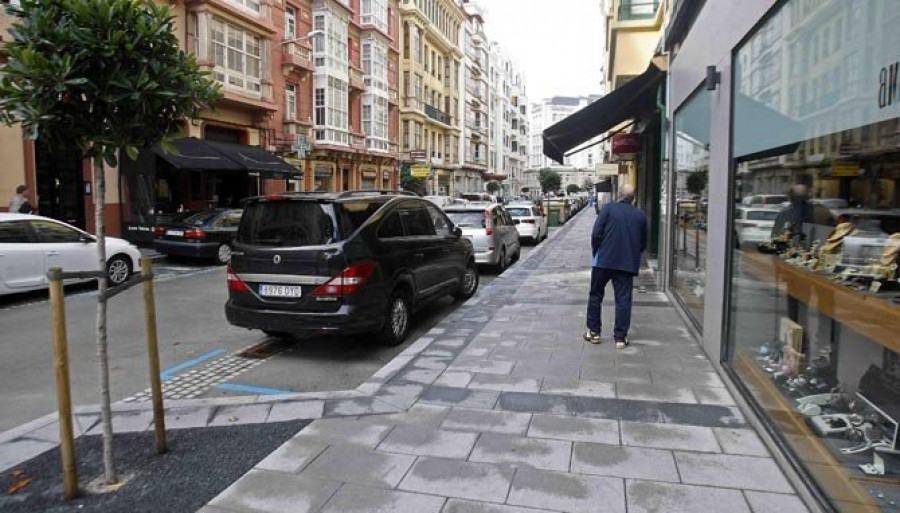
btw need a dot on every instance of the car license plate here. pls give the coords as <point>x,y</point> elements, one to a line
<point>175,233</point>
<point>280,290</point>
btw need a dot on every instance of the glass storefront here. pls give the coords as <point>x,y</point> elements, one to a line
<point>814,308</point>
<point>687,230</point>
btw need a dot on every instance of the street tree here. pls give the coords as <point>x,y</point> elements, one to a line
<point>105,76</point>
<point>696,182</point>
<point>573,188</point>
<point>587,184</point>
<point>492,187</point>
<point>550,180</point>
<point>413,184</point>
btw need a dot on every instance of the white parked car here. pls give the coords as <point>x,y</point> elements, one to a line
<point>444,201</point>
<point>753,224</point>
<point>491,230</point>
<point>30,245</point>
<point>765,200</point>
<point>530,221</point>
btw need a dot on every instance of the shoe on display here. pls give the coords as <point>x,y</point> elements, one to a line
<point>592,337</point>
<point>622,343</point>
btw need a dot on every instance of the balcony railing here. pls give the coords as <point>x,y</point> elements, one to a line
<point>631,10</point>
<point>438,115</point>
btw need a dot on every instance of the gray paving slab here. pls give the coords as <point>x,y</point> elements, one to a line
<point>358,406</point>
<point>364,499</point>
<point>19,450</point>
<point>428,441</point>
<point>578,429</point>
<point>746,472</point>
<point>740,441</point>
<point>462,506</point>
<point>482,366</point>
<point>714,395</point>
<point>655,392</point>
<point>583,388</point>
<point>462,419</point>
<point>761,502</point>
<point>463,397</point>
<point>653,497</point>
<point>244,414</point>
<point>357,465</point>
<point>669,436</point>
<point>188,418</point>
<point>504,383</point>
<point>567,492</point>
<point>294,410</point>
<point>292,457</point>
<point>275,492</point>
<point>127,422</point>
<point>344,431</point>
<point>462,479</point>
<point>516,450</point>
<point>702,415</point>
<point>626,462</point>
<point>418,415</point>
<point>454,379</point>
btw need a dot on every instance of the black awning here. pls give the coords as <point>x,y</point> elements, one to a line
<point>624,103</point>
<point>257,160</point>
<point>197,154</point>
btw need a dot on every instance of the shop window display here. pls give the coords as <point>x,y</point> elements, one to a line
<point>814,313</point>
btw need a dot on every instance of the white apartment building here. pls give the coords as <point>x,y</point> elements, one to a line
<point>475,142</point>
<point>508,154</point>
<point>578,168</point>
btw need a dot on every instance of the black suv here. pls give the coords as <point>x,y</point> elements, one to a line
<point>352,262</point>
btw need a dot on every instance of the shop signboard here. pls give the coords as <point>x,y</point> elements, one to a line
<point>417,154</point>
<point>420,170</point>
<point>844,168</point>
<point>606,169</point>
<point>625,146</point>
<point>369,173</point>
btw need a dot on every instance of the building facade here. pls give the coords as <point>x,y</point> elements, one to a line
<point>508,125</point>
<point>476,140</point>
<point>432,90</point>
<point>313,82</point>
<point>799,104</point>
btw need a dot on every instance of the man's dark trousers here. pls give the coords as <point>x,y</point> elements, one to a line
<point>622,283</point>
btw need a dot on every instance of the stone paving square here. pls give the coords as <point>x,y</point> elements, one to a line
<point>729,471</point>
<point>464,397</point>
<point>584,388</point>
<point>462,479</point>
<point>275,492</point>
<point>292,457</point>
<point>576,429</point>
<point>504,383</point>
<point>534,452</point>
<point>344,431</point>
<point>628,462</point>
<point>652,497</point>
<point>655,392</point>
<point>740,441</point>
<point>428,441</point>
<point>487,421</point>
<point>669,436</point>
<point>362,499</point>
<point>461,506</point>
<point>360,466</point>
<point>761,502</point>
<point>567,492</point>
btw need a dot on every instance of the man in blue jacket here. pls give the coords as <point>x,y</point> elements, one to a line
<point>618,239</point>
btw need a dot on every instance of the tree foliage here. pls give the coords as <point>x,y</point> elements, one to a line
<point>102,74</point>
<point>696,182</point>
<point>413,184</point>
<point>573,188</point>
<point>550,180</point>
<point>492,187</point>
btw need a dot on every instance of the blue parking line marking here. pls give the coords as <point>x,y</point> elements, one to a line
<point>170,372</point>
<point>253,390</point>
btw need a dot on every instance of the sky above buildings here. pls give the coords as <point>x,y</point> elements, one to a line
<point>558,44</point>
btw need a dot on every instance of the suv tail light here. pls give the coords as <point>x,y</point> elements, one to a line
<point>488,227</point>
<point>158,231</point>
<point>195,233</point>
<point>348,282</point>
<point>234,283</point>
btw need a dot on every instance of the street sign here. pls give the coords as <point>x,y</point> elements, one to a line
<point>420,170</point>
<point>301,147</point>
<point>417,154</point>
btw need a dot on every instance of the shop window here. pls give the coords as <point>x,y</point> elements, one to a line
<point>690,195</point>
<point>814,306</point>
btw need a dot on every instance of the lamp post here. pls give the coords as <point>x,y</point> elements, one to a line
<point>312,33</point>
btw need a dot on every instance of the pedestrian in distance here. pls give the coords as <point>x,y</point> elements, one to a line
<point>19,204</point>
<point>617,242</point>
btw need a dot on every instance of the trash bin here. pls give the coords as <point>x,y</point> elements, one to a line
<point>553,218</point>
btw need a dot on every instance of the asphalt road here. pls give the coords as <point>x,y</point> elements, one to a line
<point>193,337</point>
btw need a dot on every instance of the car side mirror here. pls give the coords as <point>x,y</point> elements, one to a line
<point>85,239</point>
<point>457,232</point>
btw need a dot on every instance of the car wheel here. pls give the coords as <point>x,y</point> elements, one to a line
<point>468,284</point>
<point>223,254</point>
<point>118,269</point>
<point>396,323</point>
<point>501,262</point>
<point>517,254</point>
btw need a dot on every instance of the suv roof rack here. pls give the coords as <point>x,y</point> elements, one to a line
<point>375,192</point>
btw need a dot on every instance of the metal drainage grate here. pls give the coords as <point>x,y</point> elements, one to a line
<point>265,349</point>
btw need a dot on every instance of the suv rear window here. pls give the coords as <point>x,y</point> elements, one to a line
<point>519,211</point>
<point>468,219</point>
<point>762,215</point>
<point>288,223</point>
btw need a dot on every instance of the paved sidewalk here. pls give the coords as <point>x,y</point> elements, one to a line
<point>503,408</point>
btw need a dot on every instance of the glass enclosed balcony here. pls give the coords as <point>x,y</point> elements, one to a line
<point>631,10</point>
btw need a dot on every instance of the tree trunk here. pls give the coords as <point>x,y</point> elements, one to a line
<point>109,471</point>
